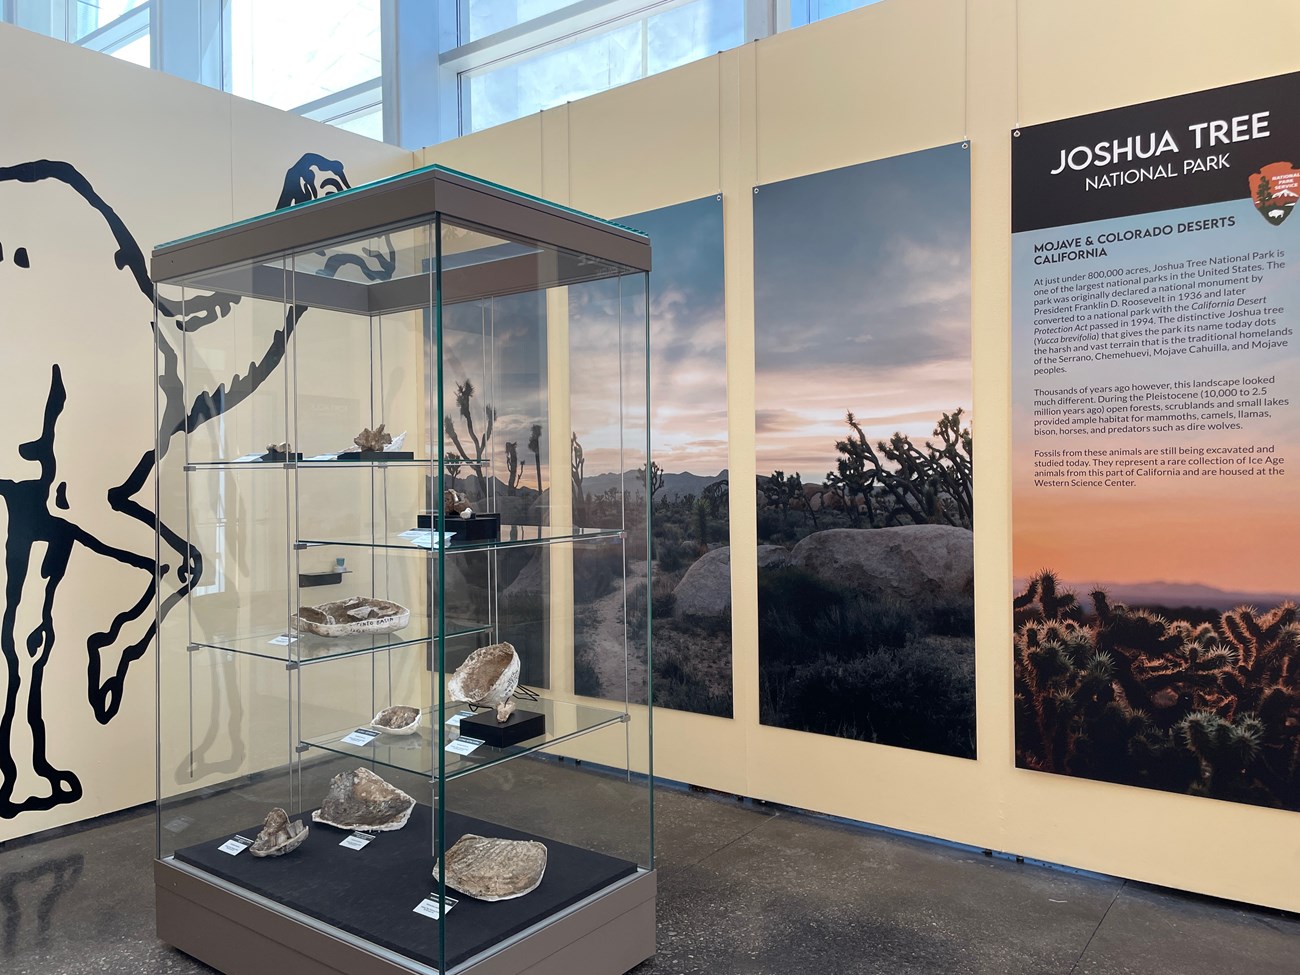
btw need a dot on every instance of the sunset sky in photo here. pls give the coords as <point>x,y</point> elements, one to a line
<point>862,303</point>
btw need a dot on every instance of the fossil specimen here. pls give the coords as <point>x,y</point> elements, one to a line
<point>278,836</point>
<point>356,614</point>
<point>487,678</point>
<point>457,504</point>
<point>374,439</point>
<point>277,449</point>
<point>399,719</point>
<point>362,800</point>
<point>492,869</point>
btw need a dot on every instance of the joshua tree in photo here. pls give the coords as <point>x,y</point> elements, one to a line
<point>535,445</point>
<point>464,394</point>
<point>786,493</point>
<point>715,496</point>
<point>576,464</point>
<point>903,484</point>
<point>656,478</point>
<point>513,474</point>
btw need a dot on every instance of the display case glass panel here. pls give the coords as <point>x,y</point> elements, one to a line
<point>371,539</point>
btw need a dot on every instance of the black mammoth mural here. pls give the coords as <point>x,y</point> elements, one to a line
<point>106,523</point>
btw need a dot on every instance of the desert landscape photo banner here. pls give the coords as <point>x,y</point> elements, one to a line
<point>1155,293</point>
<point>864,452</point>
<point>687,479</point>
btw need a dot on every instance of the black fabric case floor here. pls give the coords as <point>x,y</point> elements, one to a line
<point>373,892</point>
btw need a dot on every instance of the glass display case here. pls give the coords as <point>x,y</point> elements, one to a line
<point>401,462</point>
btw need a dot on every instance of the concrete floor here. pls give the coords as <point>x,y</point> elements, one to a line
<point>743,889</point>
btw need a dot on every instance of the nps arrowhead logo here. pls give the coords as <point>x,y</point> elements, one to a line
<point>1275,189</point>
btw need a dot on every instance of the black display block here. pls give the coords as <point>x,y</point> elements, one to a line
<point>277,458</point>
<point>308,579</point>
<point>479,528</point>
<point>377,455</point>
<point>373,892</point>
<point>520,726</point>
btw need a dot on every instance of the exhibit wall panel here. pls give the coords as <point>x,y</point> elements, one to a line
<point>893,78</point>
<point>99,161</point>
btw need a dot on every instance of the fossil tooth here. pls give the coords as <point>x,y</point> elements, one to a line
<point>279,836</point>
<point>400,719</point>
<point>356,614</point>
<point>362,800</point>
<point>491,869</point>
<point>487,678</point>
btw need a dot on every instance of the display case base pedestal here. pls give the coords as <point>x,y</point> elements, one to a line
<point>609,933</point>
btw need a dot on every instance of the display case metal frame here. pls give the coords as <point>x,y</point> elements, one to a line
<point>237,930</point>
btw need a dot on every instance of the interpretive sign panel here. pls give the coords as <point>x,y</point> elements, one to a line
<point>1156,298</point>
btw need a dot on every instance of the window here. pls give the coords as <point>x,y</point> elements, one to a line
<point>810,11</point>
<point>290,54</point>
<point>630,46</point>
<point>84,17</point>
<point>453,66</point>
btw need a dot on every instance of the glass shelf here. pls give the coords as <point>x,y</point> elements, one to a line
<point>310,648</point>
<point>512,536</point>
<point>416,752</point>
<point>305,464</point>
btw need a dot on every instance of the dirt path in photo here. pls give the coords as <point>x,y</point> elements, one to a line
<point>606,639</point>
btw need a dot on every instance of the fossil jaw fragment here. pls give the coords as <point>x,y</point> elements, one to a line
<point>356,614</point>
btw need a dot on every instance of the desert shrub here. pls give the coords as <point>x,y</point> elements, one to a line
<point>597,569</point>
<point>676,688</point>
<point>585,678</point>
<point>841,662</point>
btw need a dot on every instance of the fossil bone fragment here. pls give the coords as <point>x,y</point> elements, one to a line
<point>456,503</point>
<point>491,869</point>
<point>374,439</point>
<point>362,800</point>
<point>400,719</point>
<point>278,836</point>
<point>487,678</point>
<point>356,614</point>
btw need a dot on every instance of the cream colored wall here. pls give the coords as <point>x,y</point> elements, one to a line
<point>895,77</point>
<point>171,158</point>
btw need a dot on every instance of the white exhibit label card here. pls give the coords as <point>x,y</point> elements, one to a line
<point>425,538</point>
<point>463,745</point>
<point>429,906</point>
<point>459,716</point>
<point>236,845</point>
<point>247,458</point>
<point>283,640</point>
<point>358,841</point>
<point>361,736</point>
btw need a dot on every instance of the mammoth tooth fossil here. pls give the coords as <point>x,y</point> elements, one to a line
<point>487,678</point>
<point>362,800</point>
<point>279,836</point>
<point>490,869</point>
